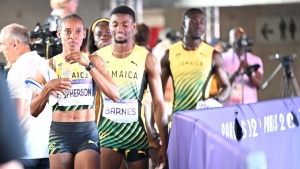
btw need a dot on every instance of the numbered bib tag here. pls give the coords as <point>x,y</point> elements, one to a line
<point>236,93</point>
<point>209,103</point>
<point>122,111</point>
<point>80,94</point>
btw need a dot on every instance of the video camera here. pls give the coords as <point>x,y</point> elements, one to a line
<point>282,57</point>
<point>45,42</point>
<point>244,42</point>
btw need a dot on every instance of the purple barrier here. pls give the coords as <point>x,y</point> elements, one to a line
<point>267,126</point>
<point>182,129</point>
<point>218,151</point>
<point>197,146</point>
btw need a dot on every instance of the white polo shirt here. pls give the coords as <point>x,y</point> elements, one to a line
<point>34,130</point>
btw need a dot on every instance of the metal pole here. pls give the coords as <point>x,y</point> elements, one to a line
<point>130,4</point>
<point>216,22</point>
<point>113,4</point>
<point>208,24</point>
<point>139,11</point>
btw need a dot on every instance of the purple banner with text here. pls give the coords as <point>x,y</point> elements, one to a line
<point>269,126</point>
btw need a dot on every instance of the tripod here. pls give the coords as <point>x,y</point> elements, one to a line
<point>289,86</point>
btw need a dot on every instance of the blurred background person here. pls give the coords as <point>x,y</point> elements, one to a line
<point>171,36</point>
<point>60,8</point>
<point>99,35</point>
<point>215,88</point>
<point>217,43</point>
<point>11,142</point>
<point>244,85</point>
<point>141,38</point>
<point>142,35</point>
<point>84,45</point>
<point>14,40</point>
<point>4,68</point>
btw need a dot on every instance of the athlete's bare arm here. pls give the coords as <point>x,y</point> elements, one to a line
<point>103,80</point>
<point>161,117</point>
<point>165,70</point>
<point>100,74</point>
<point>218,64</point>
<point>38,102</point>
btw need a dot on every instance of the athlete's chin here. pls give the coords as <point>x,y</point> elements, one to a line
<point>73,48</point>
<point>197,37</point>
<point>120,41</point>
<point>103,44</point>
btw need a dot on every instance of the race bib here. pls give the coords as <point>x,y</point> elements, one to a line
<point>209,103</point>
<point>236,93</point>
<point>122,111</point>
<point>81,93</point>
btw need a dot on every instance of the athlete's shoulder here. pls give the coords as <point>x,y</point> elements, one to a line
<point>176,45</point>
<point>206,45</point>
<point>57,57</point>
<point>84,54</point>
<point>140,53</point>
<point>103,50</point>
<point>140,49</point>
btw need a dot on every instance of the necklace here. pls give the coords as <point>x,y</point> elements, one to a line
<point>188,47</point>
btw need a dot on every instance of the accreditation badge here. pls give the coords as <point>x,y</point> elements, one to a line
<point>122,111</point>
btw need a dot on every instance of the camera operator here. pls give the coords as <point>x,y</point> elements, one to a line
<point>44,39</point>
<point>245,70</point>
<point>61,8</point>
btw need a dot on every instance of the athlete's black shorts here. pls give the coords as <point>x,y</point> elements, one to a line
<point>133,155</point>
<point>73,137</point>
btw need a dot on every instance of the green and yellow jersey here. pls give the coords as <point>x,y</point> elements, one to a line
<point>121,124</point>
<point>82,95</point>
<point>191,75</point>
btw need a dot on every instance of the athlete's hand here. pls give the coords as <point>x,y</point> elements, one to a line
<point>162,157</point>
<point>76,57</point>
<point>154,144</point>
<point>244,64</point>
<point>61,85</point>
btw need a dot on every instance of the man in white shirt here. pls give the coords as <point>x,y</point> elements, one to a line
<point>14,44</point>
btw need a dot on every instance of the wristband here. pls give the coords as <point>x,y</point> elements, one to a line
<point>91,66</point>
